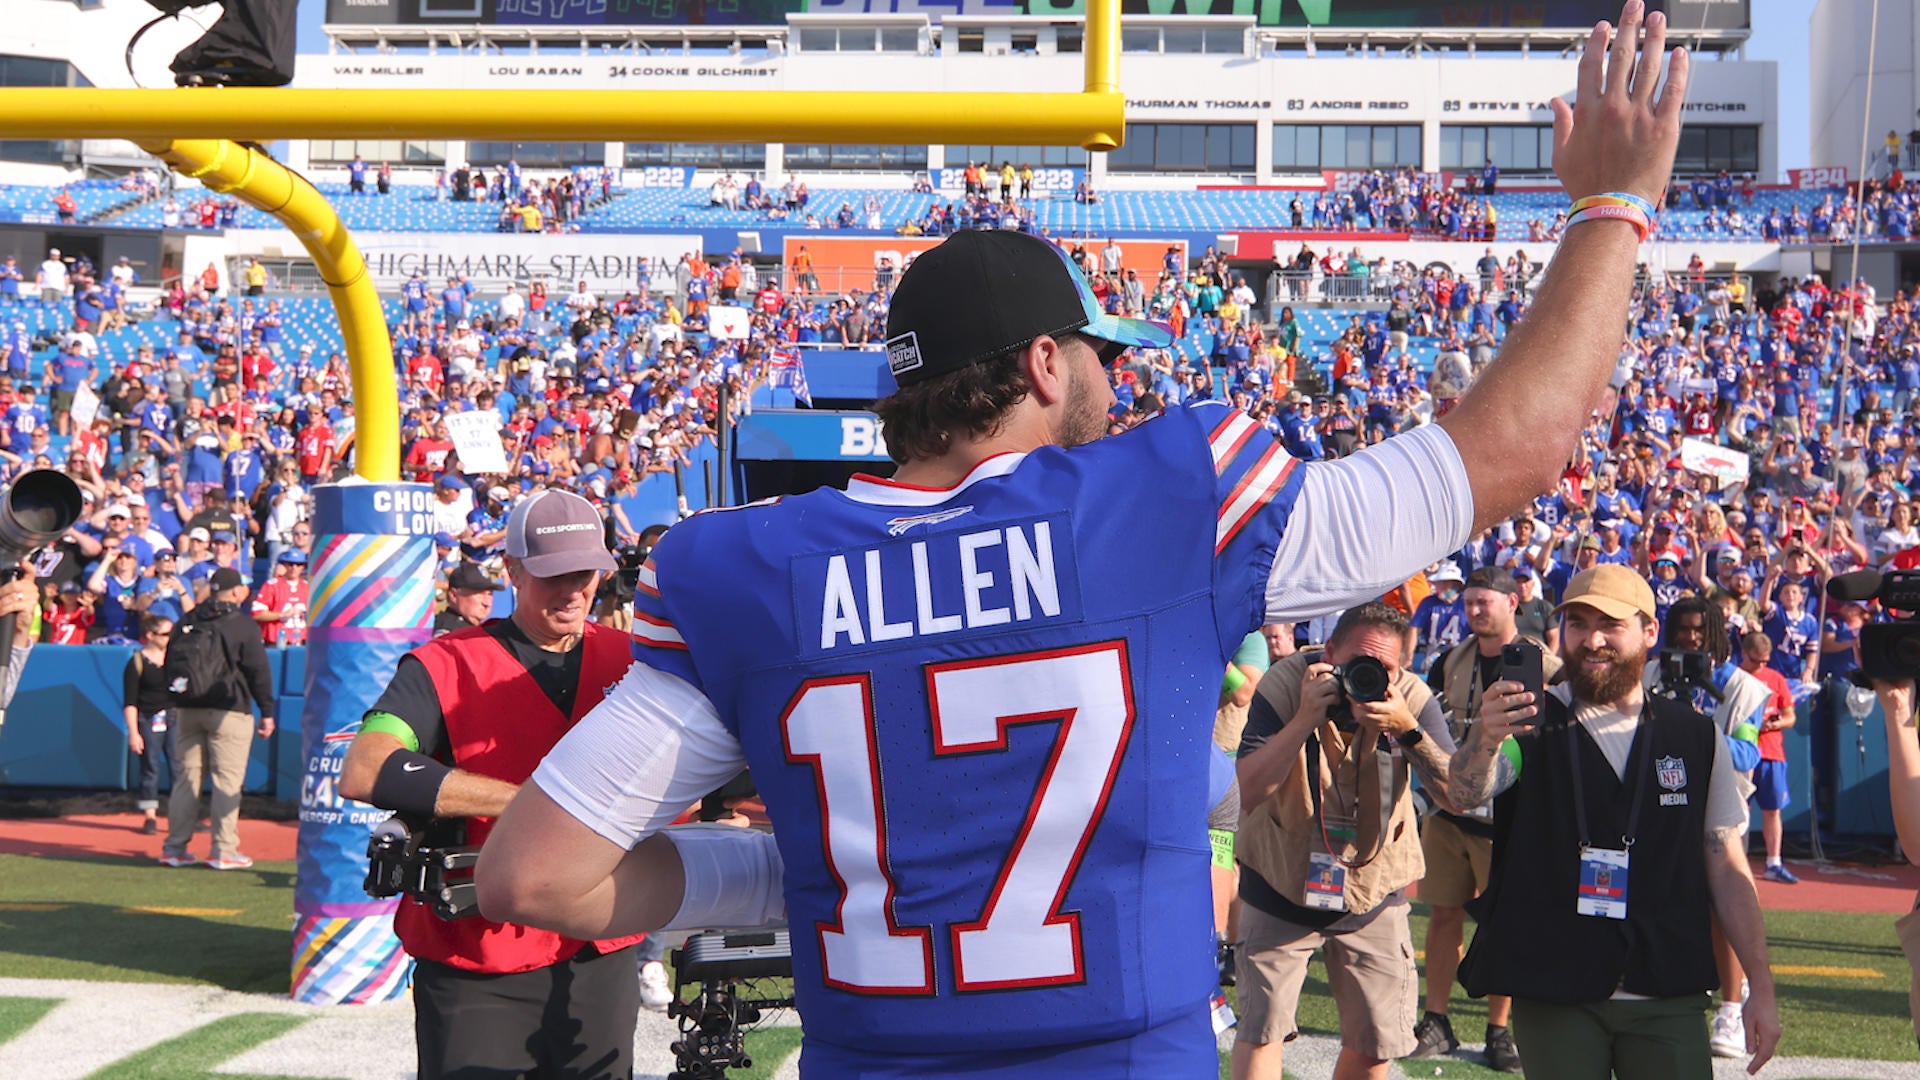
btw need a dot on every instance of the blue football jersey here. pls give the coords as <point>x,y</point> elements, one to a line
<point>980,719</point>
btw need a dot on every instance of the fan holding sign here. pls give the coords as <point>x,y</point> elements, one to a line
<point>727,322</point>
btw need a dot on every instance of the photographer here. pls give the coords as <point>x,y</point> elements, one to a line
<point>18,598</point>
<point>1328,843</point>
<point>1459,847</point>
<point>458,730</point>
<point>1738,704</point>
<point>1616,823</point>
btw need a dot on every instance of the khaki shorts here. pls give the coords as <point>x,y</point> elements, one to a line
<point>1370,972</point>
<point>1457,862</point>
<point>1229,720</point>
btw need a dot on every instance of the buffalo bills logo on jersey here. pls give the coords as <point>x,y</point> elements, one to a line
<point>1671,772</point>
<point>899,526</point>
<point>903,353</point>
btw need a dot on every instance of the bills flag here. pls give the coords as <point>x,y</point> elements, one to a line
<point>787,370</point>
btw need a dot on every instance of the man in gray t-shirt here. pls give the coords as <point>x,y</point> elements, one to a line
<point>1534,617</point>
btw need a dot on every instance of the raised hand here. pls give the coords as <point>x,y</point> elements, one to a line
<point>1617,136</point>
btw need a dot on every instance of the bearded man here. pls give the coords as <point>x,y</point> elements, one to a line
<point>1616,819</point>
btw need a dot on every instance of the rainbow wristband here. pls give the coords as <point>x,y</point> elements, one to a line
<point>1615,198</point>
<point>1642,224</point>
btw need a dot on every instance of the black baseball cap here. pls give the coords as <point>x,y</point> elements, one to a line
<point>984,293</point>
<point>469,578</point>
<point>1487,577</point>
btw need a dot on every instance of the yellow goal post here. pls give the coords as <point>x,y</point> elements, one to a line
<point>214,135</point>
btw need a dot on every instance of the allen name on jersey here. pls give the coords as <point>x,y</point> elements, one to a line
<point>960,581</point>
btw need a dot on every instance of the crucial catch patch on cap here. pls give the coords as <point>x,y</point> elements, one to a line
<point>903,353</point>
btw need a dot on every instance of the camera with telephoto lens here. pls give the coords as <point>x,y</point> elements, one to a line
<point>35,510</point>
<point>1362,679</point>
<point>430,863</point>
<point>1889,651</point>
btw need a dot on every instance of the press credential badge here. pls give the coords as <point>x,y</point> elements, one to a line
<point>1603,883</point>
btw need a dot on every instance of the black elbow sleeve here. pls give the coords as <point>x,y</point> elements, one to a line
<point>409,783</point>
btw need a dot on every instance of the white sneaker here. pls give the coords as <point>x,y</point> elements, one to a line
<point>1729,1038</point>
<point>655,992</point>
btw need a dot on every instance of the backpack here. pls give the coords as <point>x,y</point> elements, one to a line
<point>197,669</point>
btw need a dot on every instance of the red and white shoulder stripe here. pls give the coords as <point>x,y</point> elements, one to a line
<point>656,632</point>
<point>1229,437</point>
<point>648,582</point>
<point>1257,487</point>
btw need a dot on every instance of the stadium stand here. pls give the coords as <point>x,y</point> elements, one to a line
<point>415,207</point>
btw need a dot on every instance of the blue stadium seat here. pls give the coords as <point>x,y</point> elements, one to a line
<point>414,208</point>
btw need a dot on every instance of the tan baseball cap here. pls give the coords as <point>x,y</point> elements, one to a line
<point>1611,589</point>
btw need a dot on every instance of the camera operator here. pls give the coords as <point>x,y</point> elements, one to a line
<point>461,726</point>
<point>1903,781</point>
<point>1328,843</point>
<point>18,598</point>
<point>1738,704</point>
<point>1600,796</point>
<point>1459,847</point>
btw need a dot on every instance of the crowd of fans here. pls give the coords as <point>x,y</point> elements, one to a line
<point>1758,438</point>
<point>1814,385</point>
<point>991,198</point>
<point>201,454</point>
<point>223,432</point>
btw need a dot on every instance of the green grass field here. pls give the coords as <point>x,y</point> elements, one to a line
<point>1843,982</point>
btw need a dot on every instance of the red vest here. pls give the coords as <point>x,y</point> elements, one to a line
<point>500,724</point>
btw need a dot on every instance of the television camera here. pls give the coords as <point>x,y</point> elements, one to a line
<point>725,965</point>
<point>1889,650</point>
<point>1682,671</point>
<point>431,864</point>
<point>714,1020</point>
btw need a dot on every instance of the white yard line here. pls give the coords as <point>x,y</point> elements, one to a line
<point>100,1023</point>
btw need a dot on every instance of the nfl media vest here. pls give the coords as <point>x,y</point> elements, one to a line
<point>500,724</point>
<point>1277,836</point>
<point>1663,948</point>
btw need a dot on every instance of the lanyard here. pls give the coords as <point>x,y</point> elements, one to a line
<point>1639,782</point>
<point>1384,761</point>
<point>1477,683</point>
